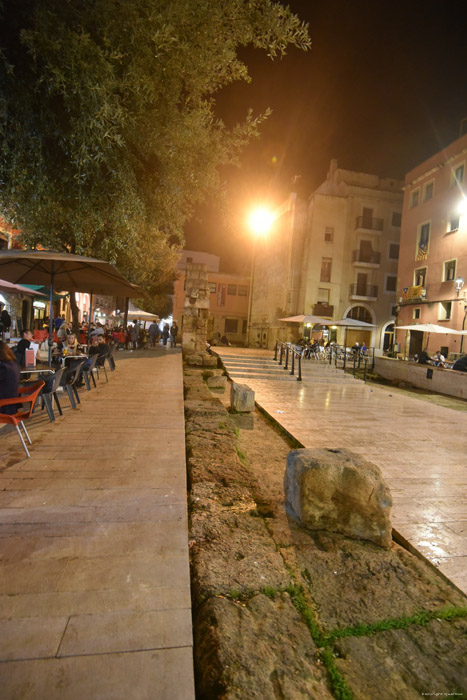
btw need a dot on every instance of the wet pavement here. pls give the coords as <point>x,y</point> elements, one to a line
<point>94,570</point>
<point>420,447</point>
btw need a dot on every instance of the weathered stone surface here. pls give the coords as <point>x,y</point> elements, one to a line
<point>219,382</point>
<point>241,653</point>
<point>404,662</point>
<point>338,491</point>
<point>242,398</point>
<point>209,360</point>
<point>194,359</point>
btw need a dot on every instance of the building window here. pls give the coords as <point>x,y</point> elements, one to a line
<point>232,289</point>
<point>449,271</point>
<point>213,287</point>
<point>414,198</point>
<point>454,223</point>
<point>323,296</point>
<point>458,175</point>
<point>394,251</point>
<point>423,241</point>
<point>445,310</point>
<point>231,325</point>
<point>329,234</point>
<point>419,277</point>
<point>189,260</point>
<point>416,313</point>
<point>244,326</point>
<point>394,310</point>
<point>428,190</point>
<point>391,283</point>
<point>326,264</point>
<point>396,219</point>
<point>242,290</point>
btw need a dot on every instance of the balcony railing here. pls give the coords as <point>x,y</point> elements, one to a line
<point>322,309</point>
<point>362,257</point>
<point>368,223</point>
<point>370,291</point>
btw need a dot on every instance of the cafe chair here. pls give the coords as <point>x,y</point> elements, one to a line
<point>100,364</point>
<point>70,387</point>
<point>47,396</point>
<point>26,395</point>
<point>88,373</point>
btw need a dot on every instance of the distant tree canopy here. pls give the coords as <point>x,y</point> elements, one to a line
<point>108,137</point>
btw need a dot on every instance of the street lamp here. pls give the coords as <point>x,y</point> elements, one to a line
<point>458,283</point>
<point>260,221</point>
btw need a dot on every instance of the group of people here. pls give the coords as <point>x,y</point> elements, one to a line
<point>439,360</point>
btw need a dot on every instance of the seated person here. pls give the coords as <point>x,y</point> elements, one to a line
<point>23,345</point>
<point>461,364</point>
<point>71,345</point>
<point>438,359</point>
<point>424,358</point>
<point>9,377</point>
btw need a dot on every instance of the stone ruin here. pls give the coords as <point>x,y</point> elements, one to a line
<point>196,309</point>
<point>338,491</point>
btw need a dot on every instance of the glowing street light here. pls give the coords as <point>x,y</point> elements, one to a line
<point>260,221</point>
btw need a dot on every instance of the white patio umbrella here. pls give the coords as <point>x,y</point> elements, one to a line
<point>303,318</point>
<point>429,328</point>
<point>351,323</point>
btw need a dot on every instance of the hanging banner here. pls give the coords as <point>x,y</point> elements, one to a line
<point>221,294</point>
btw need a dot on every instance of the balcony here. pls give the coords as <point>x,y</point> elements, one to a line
<point>360,257</point>
<point>369,224</point>
<point>323,309</point>
<point>363,291</point>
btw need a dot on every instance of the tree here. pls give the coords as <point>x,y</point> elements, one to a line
<point>108,137</point>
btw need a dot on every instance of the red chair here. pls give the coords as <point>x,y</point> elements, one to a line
<point>26,394</point>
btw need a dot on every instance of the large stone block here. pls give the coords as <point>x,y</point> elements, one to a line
<point>217,382</point>
<point>338,491</point>
<point>242,398</point>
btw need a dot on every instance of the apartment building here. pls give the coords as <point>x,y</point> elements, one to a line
<point>334,256</point>
<point>228,297</point>
<point>433,260</point>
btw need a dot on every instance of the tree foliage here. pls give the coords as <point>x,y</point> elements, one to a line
<point>108,137</point>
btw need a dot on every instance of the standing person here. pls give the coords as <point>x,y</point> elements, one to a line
<point>173,334</point>
<point>135,335</point>
<point>121,338</point>
<point>165,333</point>
<point>5,319</point>
<point>154,334</point>
<point>9,377</point>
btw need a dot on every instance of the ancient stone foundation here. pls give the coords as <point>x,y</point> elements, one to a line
<point>338,491</point>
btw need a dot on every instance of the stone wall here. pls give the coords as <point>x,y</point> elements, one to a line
<point>196,307</point>
<point>442,381</point>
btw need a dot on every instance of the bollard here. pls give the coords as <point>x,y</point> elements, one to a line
<point>292,371</point>
<point>275,352</point>
<point>286,366</point>
<point>299,378</point>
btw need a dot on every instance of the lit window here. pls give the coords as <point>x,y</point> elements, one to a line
<point>428,191</point>
<point>242,290</point>
<point>414,198</point>
<point>232,289</point>
<point>449,271</point>
<point>419,277</point>
<point>329,234</point>
<point>445,310</point>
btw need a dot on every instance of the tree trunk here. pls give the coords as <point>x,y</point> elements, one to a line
<point>74,314</point>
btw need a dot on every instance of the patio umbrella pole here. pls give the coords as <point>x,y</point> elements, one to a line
<point>51,314</point>
<point>89,319</point>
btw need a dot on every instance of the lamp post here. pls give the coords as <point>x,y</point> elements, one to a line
<point>260,222</point>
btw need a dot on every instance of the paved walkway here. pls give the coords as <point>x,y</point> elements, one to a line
<point>94,571</point>
<point>420,447</point>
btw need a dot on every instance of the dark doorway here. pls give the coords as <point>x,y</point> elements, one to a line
<point>416,343</point>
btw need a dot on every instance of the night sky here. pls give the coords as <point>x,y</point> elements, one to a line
<point>383,87</point>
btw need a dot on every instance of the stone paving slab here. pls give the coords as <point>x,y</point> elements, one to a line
<point>420,447</point>
<point>94,569</point>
